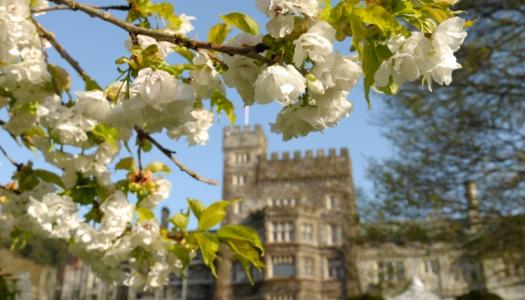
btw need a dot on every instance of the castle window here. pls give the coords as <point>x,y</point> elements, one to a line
<point>391,271</point>
<point>331,202</point>
<point>333,235</point>
<point>431,266</point>
<point>309,266</point>
<point>335,268</point>
<point>282,297</point>
<point>282,231</point>
<point>237,207</point>
<point>239,180</point>
<point>238,274</point>
<point>283,266</point>
<point>307,232</point>
<point>242,157</point>
<point>282,202</point>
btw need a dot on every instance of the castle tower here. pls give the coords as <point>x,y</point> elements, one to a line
<point>303,207</point>
<point>243,149</point>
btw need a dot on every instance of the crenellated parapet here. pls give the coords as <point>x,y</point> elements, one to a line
<point>310,164</point>
<point>297,155</point>
<point>244,137</point>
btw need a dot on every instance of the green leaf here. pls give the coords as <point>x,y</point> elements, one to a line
<point>144,214</point>
<point>213,215</point>
<point>90,83</point>
<point>240,232</point>
<point>181,221</point>
<point>48,176</point>
<point>127,163</point>
<point>182,253</point>
<point>84,192</point>
<point>157,167</point>
<point>61,78</point>
<point>184,52</point>
<point>246,254</point>
<point>218,33</point>
<point>380,17</point>
<point>209,246</point>
<point>372,55</point>
<point>196,207</point>
<point>241,21</point>
<point>223,104</point>
<point>105,134</point>
<point>27,180</point>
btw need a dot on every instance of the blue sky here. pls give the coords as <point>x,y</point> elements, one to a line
<point>96,45</point>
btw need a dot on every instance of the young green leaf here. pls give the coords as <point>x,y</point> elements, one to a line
<point>208,244</point>
<point>213,215</point>
<point>157,167</point>
<point>241,21</point>
<point>222,103</point>
<point>61,78</point>
<point>240,232</point>
<point>196,207</point>
<point>218,33</point>
<point>48,176</point>
<point>246,254</point>
<point>144,214</point>
<point>127,163</point>
<point>181,221</point>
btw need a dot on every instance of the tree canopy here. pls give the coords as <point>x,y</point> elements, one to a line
<point>470,131</point>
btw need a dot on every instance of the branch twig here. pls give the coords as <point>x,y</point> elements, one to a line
<point>251,52</point>
<point>169,153</point>
<point>63,53</point>
<point>18,166</point>
<point>65,7</point>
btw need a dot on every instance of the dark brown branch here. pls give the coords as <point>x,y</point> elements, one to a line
<point>18,166</point>
<point>169,153</point>
<point>251,52</point>
<point>65,7</point>
<point>62,52</point>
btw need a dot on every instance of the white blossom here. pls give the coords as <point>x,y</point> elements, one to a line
<point>55,215</point>
<point>161,192</point>
<point>281,83</point>
<point>155,87</point>
<point>195,128</point>
<point>146,233</point>
<point>93,104</point>
<point>315,44</point>
<point>185,25</point>
<point>118,213</point>
<point>206,80</point>
<point>242,71</point>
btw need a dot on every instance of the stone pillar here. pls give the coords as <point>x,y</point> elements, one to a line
<point>471,194</point>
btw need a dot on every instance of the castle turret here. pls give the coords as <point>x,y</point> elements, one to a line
<point>243,148</point>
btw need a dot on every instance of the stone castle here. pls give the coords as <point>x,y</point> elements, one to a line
<point>303,206</point>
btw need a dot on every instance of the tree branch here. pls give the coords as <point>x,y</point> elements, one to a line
<point>251,52</point>
<point>62,52</point>
<point>65,7</point>
<point>169,153</point>
<point>18,166</point>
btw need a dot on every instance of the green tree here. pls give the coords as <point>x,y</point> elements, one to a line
<point>473,130</point>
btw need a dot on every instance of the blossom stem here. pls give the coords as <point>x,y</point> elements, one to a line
<point>169,153</point>
<point>63,53</point>
<point>251,52</point>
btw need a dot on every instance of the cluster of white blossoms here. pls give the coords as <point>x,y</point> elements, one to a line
<point>418,56</point>
<point>295,66</point>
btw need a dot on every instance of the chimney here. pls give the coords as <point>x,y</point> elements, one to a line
<point>164,218</point>
<point>471,193</point>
